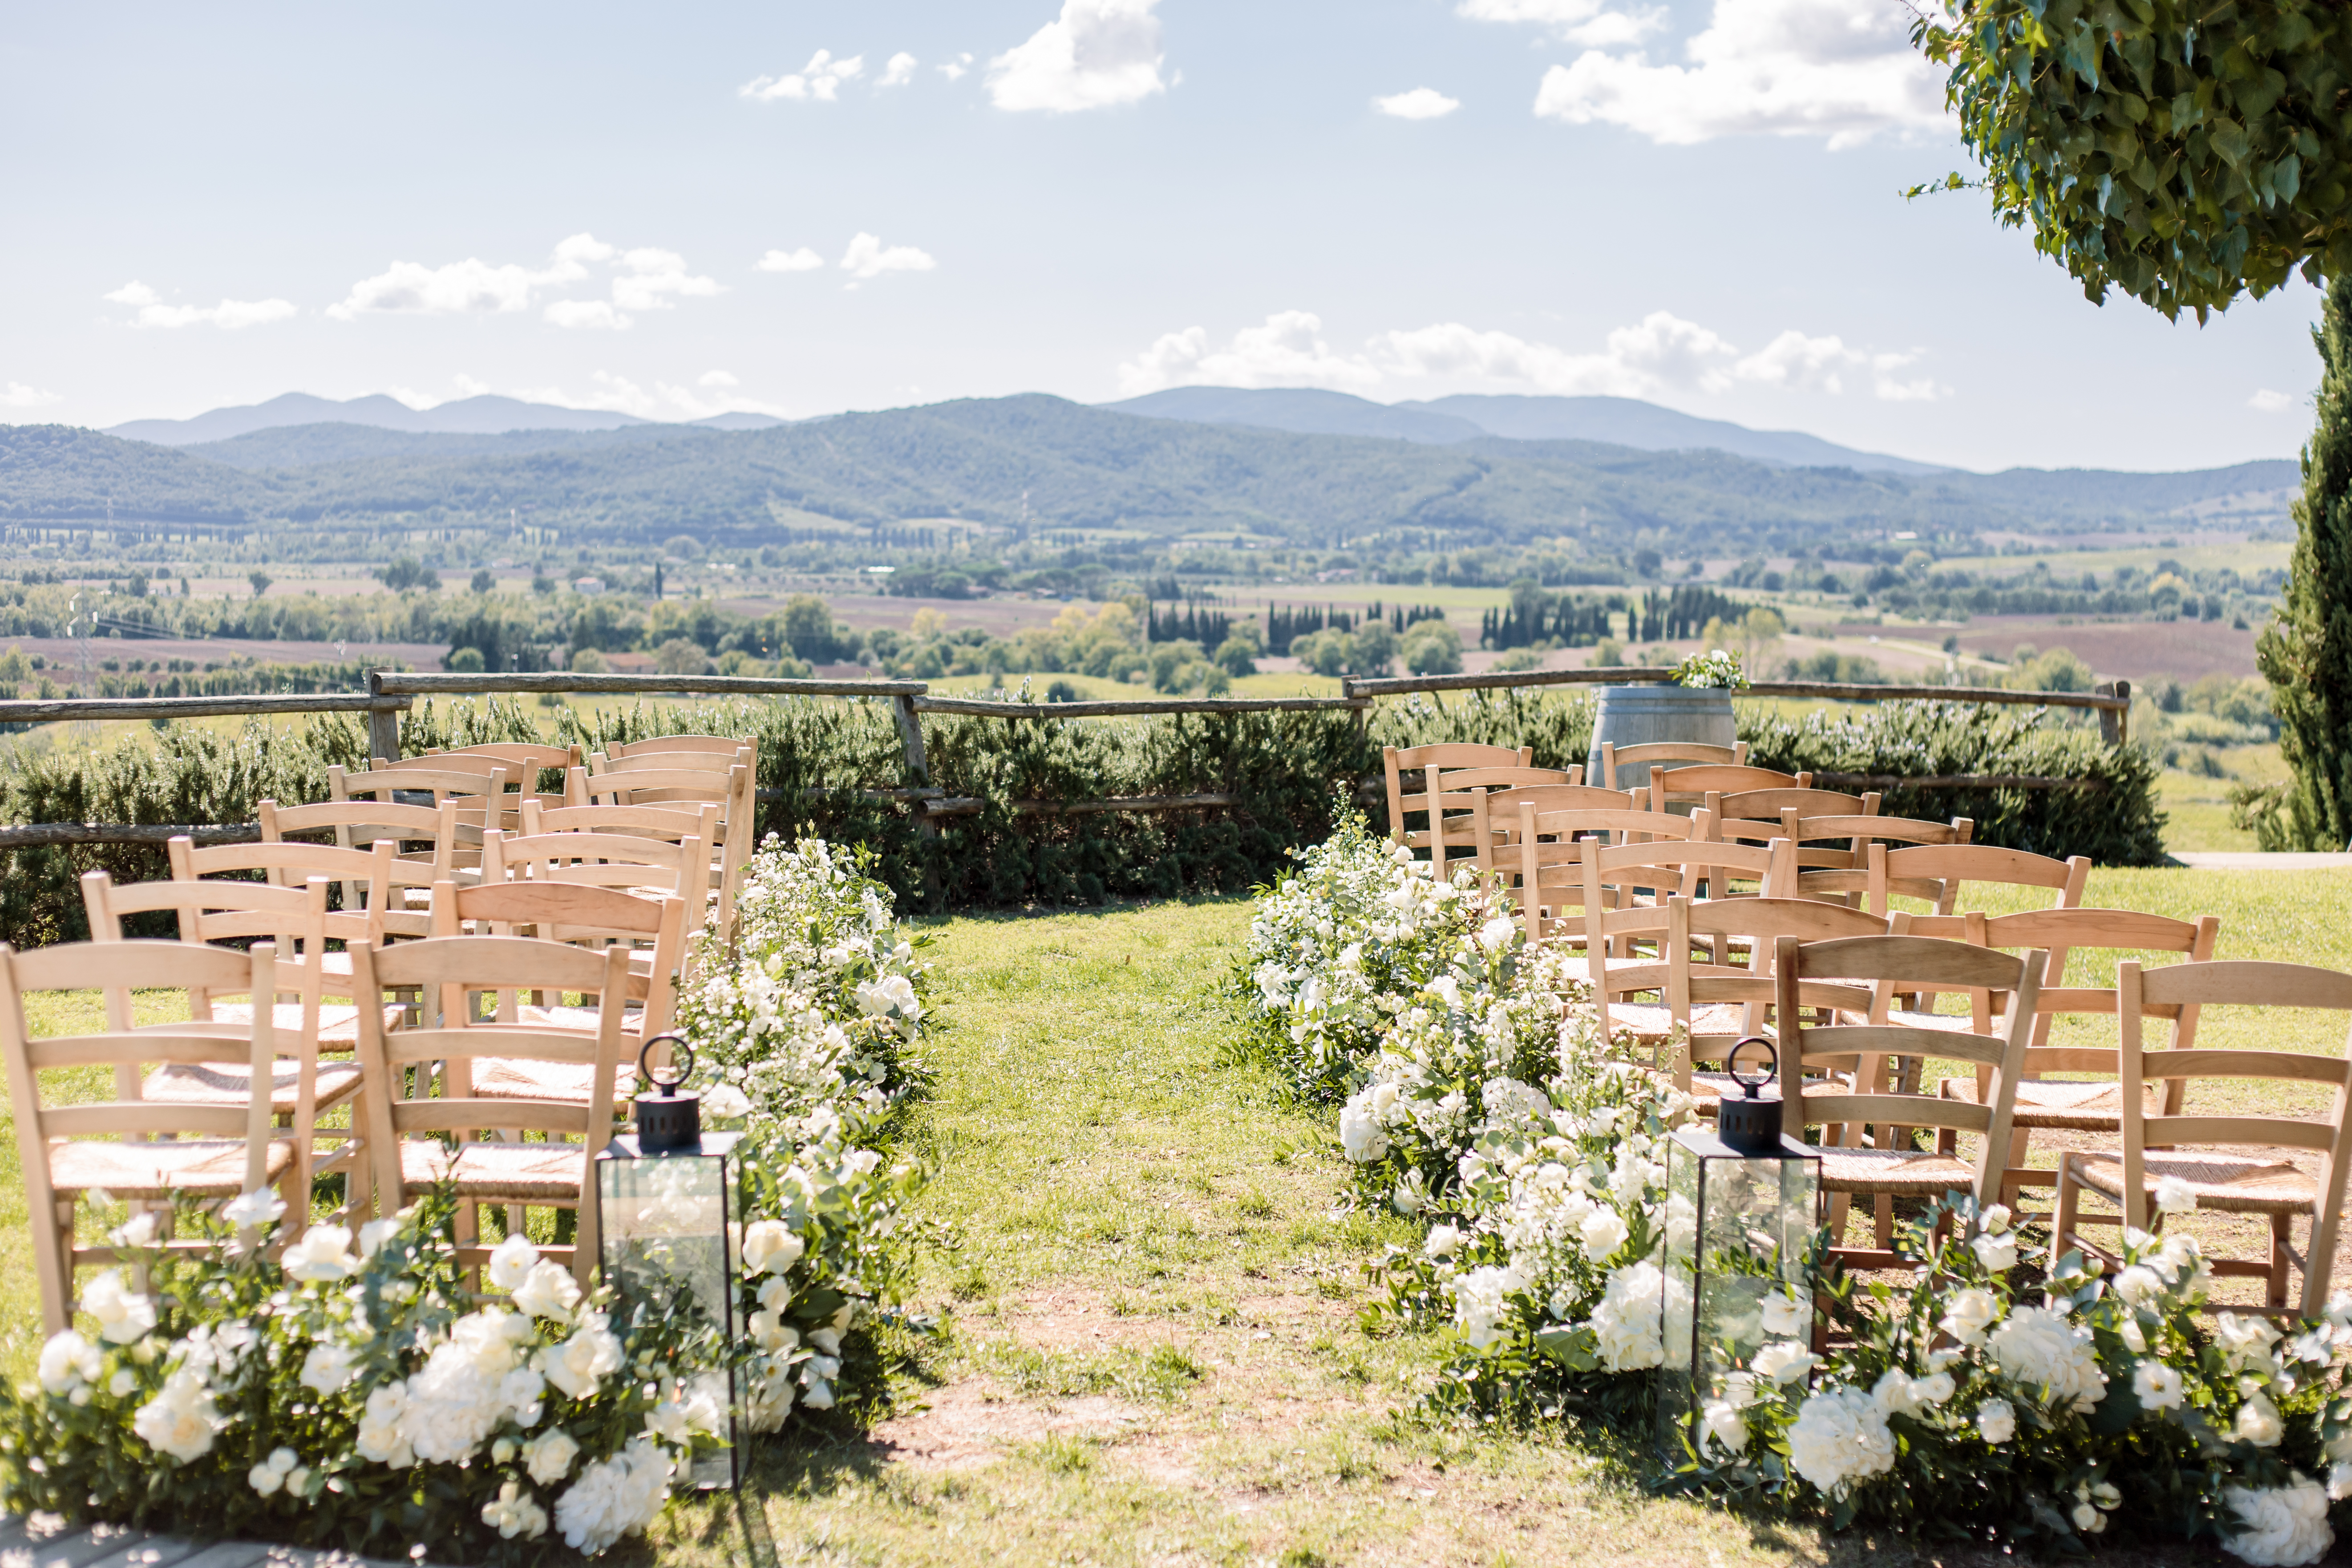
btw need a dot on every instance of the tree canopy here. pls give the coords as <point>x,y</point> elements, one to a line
<point>2184,153</point>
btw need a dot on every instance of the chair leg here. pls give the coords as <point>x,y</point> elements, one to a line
<point>53,1259</point>
<point>2282,1249</point>
<point>1882,1214</point>
<point>2061,1219</point>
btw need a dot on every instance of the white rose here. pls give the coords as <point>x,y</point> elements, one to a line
<point>1786,1316</point>
<point>1603,1232</point>
<point>123,1315</point>
<point>2157,1386</point>
<point>1840,1437</point>
<point>2139,1287</point>
<point>1969,1313</point>
<point>2258,1422</point>
<point>726,1101</point>
<point>258,1208</point>
<point>1995,1219</point>
<point>1442,1241</point>
<point>2175,1195</point>
<point>2285,1524</point>
<point>1784,1361</point>
<point>1996,1421</point>
<point>1996,1253</point>
<point>548,1456</point>
<point>770,1247</point>
<point>511,1261</point>
<point>1362,1137</point>
<point>323,1254</point>
<point>1723,1429</point>
<point>548,1291</point>
<point>327,1368</point>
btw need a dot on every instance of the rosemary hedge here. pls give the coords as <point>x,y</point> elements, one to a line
<point>819,758</point>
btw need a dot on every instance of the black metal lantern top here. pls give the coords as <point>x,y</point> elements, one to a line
<point>1751,1124</point>
<point>669,1117</point>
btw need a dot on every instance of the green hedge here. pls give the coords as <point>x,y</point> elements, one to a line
<point>1285,768</point>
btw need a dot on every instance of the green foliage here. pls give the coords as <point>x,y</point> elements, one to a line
<point>2307,650</point>
<point>2183,153</point>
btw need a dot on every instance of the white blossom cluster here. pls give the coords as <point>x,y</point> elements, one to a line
<point>803,1038</point>
<point>1336,944</point>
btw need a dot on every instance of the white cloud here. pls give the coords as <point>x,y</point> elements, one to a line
<point>1843,69</point>
<point>899,71</point>
<point>953,70</point>
<point>716,378</point>
<point>1289,351</point>
<point>594,315</point>
<point>468,386</point>
<point>2269,402</point>
<point>868,258</point>
<point>17,394</point>
<point>1097,53</point>
<point>821,79</point>
<point>800,261</point>
<point>1582,22</point>
<point>1661,353</point>
<point>646,278</point>
<point>1421,103</point>
<point>229,315</point>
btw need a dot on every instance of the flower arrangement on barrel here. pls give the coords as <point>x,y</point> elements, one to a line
<point>2000,1390</point>
<point>350,1389</point>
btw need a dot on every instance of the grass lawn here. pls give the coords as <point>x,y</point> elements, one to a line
<point>1149,1348</point>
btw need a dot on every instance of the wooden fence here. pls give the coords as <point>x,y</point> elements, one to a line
<point>390,693</point>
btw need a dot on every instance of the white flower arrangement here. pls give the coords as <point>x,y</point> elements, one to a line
<point>2023,1393</point>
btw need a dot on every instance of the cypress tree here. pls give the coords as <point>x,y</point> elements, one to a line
<point>2305,652</point>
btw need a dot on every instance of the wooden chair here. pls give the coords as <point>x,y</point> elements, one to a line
<point>668,823</point>
<point>1638,760</point>
<point>590,916</point>
<point>361,825</point>
<point>1718,1005</point>
<point>1935,873</point>
<point>2221,1175</point>
<point>1494,815</point>
<point>1844,873</point>
<point>469,792</point>
<point>1885,1170</point>
<point>402,1115</point>
<point>2075,1107</point>
<point>515,763</point>
<point>216,1150</point>
<point>655,744</point>
<point>1444,833</point>
<point>1550,856</point>
<point>1626,896</point>
<point>632,861</point>
<point>1690,786</point>
<point>726,780</point>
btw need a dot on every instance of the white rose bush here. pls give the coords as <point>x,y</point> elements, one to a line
<point>2001,1395</point>
<point>349,1393</point>
<point>805,1034</point>
<point>346,1390</point>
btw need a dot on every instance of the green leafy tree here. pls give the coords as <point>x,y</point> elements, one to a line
<point>2307,650</point>
<point>2185,154</point>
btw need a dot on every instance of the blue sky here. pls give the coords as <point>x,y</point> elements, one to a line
<point>1694,202</point>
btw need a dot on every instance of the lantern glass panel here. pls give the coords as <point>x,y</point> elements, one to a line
<point>666,1240</point>
<point>1738,1229</point>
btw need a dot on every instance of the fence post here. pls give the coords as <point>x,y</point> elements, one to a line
<point>2115,724</point>
<point>910,730</point>
<point>384,722</point>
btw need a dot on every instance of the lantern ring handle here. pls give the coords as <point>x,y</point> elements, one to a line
<point>647,1073</point>
<point>1771,1067</point>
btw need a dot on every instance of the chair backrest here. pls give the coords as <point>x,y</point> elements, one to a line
<point>724,744</point>
<point>1494,814</point>
<point>1692,785</point>
<point>1905,963</point>
<point>398,1105</point>
<point>1844,857</point>
<point>1935,873</point>
<point>2189,988</point>
<point>2058,933</point>
<point>602,859</point>
<point>363,825</point>
<point>1549,856</point>
<point>695,819</point>
<point>1614,756</point>
<point>1615,878</point>
<point>1448,779</point>
<point>729,780</point>
<point>1398,760</point>
<point>1690,983</point>
<point>579,913</point>
<point>522,760</point>
<point>39,1122</point>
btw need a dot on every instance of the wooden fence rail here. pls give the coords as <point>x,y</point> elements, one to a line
<point>391,692</point>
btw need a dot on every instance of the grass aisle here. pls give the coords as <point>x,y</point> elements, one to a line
<point>1150,1350</point>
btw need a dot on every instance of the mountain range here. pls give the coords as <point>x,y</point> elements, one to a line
<point>1036,462</point>
<point>487,414</point>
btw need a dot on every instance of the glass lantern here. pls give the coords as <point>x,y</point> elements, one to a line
<point>666,1200</point>
<point>1743,1203</point>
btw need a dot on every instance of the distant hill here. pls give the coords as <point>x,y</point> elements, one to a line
<point>1614,421</point>
<point>1042,462</point>
<point>485,415</point>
